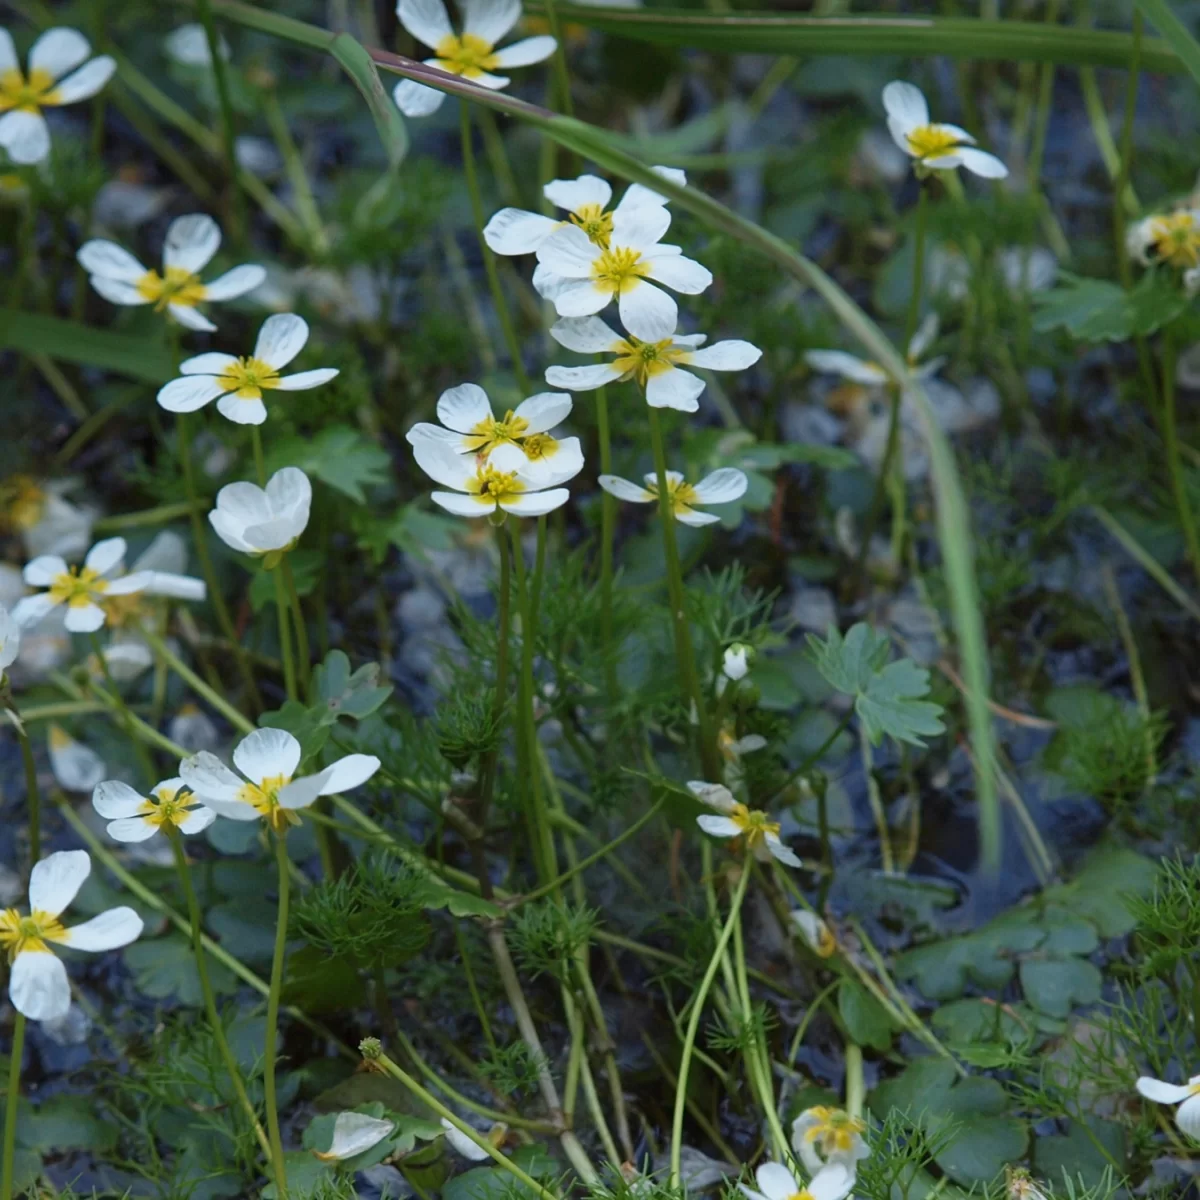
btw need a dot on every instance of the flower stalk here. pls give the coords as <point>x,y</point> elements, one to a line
<point>276,986</point>
<point>11,1102</point>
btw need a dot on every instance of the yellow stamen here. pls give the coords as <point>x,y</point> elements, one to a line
<point>491,487</point>
<point>166,807</point>
<point>539,445</point>
<point>176,285</point>
<point>78,588</point>
<point>619,270</point>
<point>27,95</point>
<point>803,1194</point>
<point>22,935</point>
<point>680,493</point>
<point>465,54</point>
<point>490,433</point>
<point>126,610</point>
<point>640,360</point>
<point>22,502</point>
<point>753,823</point>
<point>1175,239</point>
<point>932,141</point>
<point>595,222</point>
<point>835,1129</point>
<point>264,797</point>
<point>248,378</point>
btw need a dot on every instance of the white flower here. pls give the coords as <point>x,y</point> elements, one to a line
<point>734,665</point>
<point>192,729</point>
<point>469,426</point>
<point>258,521</point>
<point>761,834</point>
<point>82,590</point>
<point>590,275</point>
<point>188,46</point>
<point>832,1131</point>
<point>463,1144</point>
<point>655,365</point>
<point>354,1133</point>
<point>1020,1185</point>
<point>189,246</point>
<point>161,564</point>
<point>720,487</point>
<point>471,54</point>
<point>506,481</point>
<point>59,73</point>
<point>860,370</point>
<point>1171,238</point>
<point>268,759</point>
<point>47,521</point>
<point>133,817</point>
<point>585,199</point>
<point>75,767</point>
<point>10,640</point>
<point>240,382</point>
<point>776,1182</point>
<point>1186,1095</point>
<point>37,983</point>
<point>935,147</point>
<point>820,941</point>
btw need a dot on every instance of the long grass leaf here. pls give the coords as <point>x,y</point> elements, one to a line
<point>141,358</point>
<point>1175,34</point>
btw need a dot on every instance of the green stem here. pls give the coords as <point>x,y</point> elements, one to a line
<point>210,1003</point>
<point>562,76</point>
<point>33,793</point>
<point>1174,464</point>
<point>303,198</point>
<point>689,1039</point>
<point>539,570</point>
<point>489,259</point>
<point>11,1099</point>
<point>277,1161</point>
<point>228,148</point>
<point>124,716</point>
<point>304,654</point>
<point>231,714</point>
<point>917,285</point>
<point>608,521</point>
<point>285,637</point>
<point>855,1088</point>
<point>1124,172</point>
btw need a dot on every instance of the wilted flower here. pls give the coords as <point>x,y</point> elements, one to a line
<point>10,640</point>
<point>817,934</point>
<point>189,246</point>
<point>1171,238</point>
<point>1186,1095</point>
<point>833,1132</point>
<point>37,983</point>
<point>463,1144</point>
<point>776,1182</point>
<point>935,147</point>
<point>261,521</point>
<point>656,366</point>
<point>738,821</point>
<point>76,767</point>
<point>1020,1185</point>
<point>353,1134</point>
<point>471,54</point>
<point>720,487</point>
<point>59,73</point>
<point>240,382</point>
<point>135,818</point>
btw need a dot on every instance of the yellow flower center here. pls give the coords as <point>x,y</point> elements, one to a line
<point>20,935</point>
<point>264,797</point>
<point>78,588</point>
<point>836,1129</point>
<point>22,503</point>
<point>753,823</point>
<point>1176,239</point>
<point>931,141</point>
<point>490,433</point>
<point>680,493</point>
<point>619,270</point>
<point>26,95</point>
<point>539,446</point>
<point>803,1194</point>
<point>126,610</point>
<point>491,487</point>
<point>165,807</point>
<point>640,360</point>
<point>466,54</point>
<point>176,285</point>
<point>595,222</point>
<point>248,378</point>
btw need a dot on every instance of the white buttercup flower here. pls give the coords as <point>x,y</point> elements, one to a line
<point>471,54</point>
<point>59,73</point>
<point>240,382</point>
<point>861,370</point>
<point>469,426</point>
<point>936,147</point>
<point>133,817</point>
<point>47,522</point>
<point>585,200</point>
<point>255,520</point>
<point>190,244</point>
<point>83,590</point>
<point>37,982</point>
<point>720,487</point>
<point>738,821</point>
<point>463,1144</point>
<point>591,275</point>
<point>268,759</point>
<point>1186,1095</point>
<point>188,46</point>
<point>816,933</point>
<point>507,481</point>
<point>1171,238</point>
<point>656,366</point>
<point>161,564</point>
<point>193,729</point>
<point>776,1182</point>
<point>822,1135</point>
<point>75,767</point>
<point>354,1133</point>
<point>10,640</point>
<point>734,663</point>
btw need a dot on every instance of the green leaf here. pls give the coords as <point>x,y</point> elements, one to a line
<point>1160,14</point>
<point>1077,1153</point>
<point>867,1021</point>
<point>147,359</point>
<point>66,1122</point>
<point>1057,985</point>
<point>320,984</point>
<point>1095,310</point>
<point>887,697</point>
<point>339,456</point>
<point>343,694</point>
<point>435,894</point>
<point>485,1183</point>
<point>306,1176</point>
<point>164,967</point>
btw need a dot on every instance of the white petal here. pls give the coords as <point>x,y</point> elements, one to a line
<point>637,194</point>
<point>462,408</point>
<point>1160,1092</point>
<point>277,532</point>
<point>983,164</point>
<point>230,531</point>
<point>350,772</point>
<point>507,458</point>
<point>576,194</point>
<point>117,292</point>
<point>300,793</point>
<point>495,82</point>
<point>580,298</point>
<point>426,20</point>
<point>514,231</point>
<point>924,337</point>
<point>86,618</point>
<point>585,335</point>
<point>267,752</point>
<point>116,927</point>
<point>107,259</point>
<point>280,339</point>
<point>775,1181</point>
<point>832,1182</point>
<point>680,274</point>
<point>242,412</point>
<point>355,1133</point>
<point>233,810</point>
<point>781,852</point>
<point>1187,1117</point>
<point>289,493</point>
<point>199,818</point>
<point>905,105</point>
<point>646,311</point>
<point>490,19</point>
<point>838,362</point>
<point>544,411</point>
<point>567,252</point>
<point>721,486</point>
<point>417,100</point>
<point>689,516</point>
<point>554,469</point>
<point>245,504</point>
<point>191,318</point>
<point>188,393</point>
<point>25,135</point>
<point>462,1144</point>
<point>460,505</point>
<point>546,283</point>
<point>106,556</point>
<point>442,464</point>
<point>113,799</point>
<point>131,829</point>
<point>55,881</point>
<point>234,283</point>
<point>536,504</point>
<point>43,570</point>
<point>8,52</point>
<point>210,779</point>
<point>177,587</point>
<point>641,227</point>
<point>718,826</point>
<point>526,52</point>
<point>38,986</point>
<point>31,610</point>
<point>716,795</point>
<point>303,380</point>
<point>582,379</point>
<point>58,51</point>
<point>614,485</point>
<point>85,82</point>
<point>726,356</point>
<point>191,242</point>
<point>674,388</point>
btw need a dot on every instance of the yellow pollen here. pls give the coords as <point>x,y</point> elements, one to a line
<point>753,823</point>
<point>21,935</point>
<point>26,95</point>
<point>539,445</point>
<point>640,360</point>
<point>619,270</point>
<point>680,493</point>
<point>78,588</point>
<point>467,55</point>
<point>264,797</point>
<point>491,487</point>
<point>595,222</point>
<point>803,1194</point>
<point>836,1129</point>
<point>1176,239</point>
<point>490,433</point>
<point>176,285</point>
<point>932,141</point>
<point>248,378</point>
<point>165,807</point>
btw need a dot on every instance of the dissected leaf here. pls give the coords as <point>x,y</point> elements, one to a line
<point>1095,310</point>
<point>339,456</point>
<point>165,967</point>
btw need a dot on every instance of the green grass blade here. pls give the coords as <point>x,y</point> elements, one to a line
<point>357,63</point>
<point>86,346</point>
<point>1175,34</point>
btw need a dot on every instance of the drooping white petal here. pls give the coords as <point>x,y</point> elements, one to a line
<point>176,587</point>
<point>355,1133</point>
<point>116,927</point>
<point>780,851</point>
<point>25,135</point>
<point>515,231</point>
<point>38,986</point>
<point>210,779</point>
<point>614,485</point>
<point>838,362</point>
<point>417,100</point>
<point>300,793</point>
<point>681,274</point>
<point>10,639</point>
<point>536,504</point>
<point>718,826</point>
<point>303,380</point>
<point>280,339</point>
<point>461,505</point>
<point>585,335</point>
<point>582,379</point>
<point>462,1144</point>
<point>350,772</point>
<point>241,411</point>
<point>490,19</point>
<point>1161,1092</point>
<point>107,259</point>
<point>832,1182</point>
<point>267,752</point>
<point>197,820</point>
<point>674,389</point>
<point>191,242</point>
<point>691,516</point>
<point>426,20</point>
<point>577,194</point>
<point>981,163</point>
<point>721,486</point>
<point>58,51</point>
<point>544,411</point>
<point>106,556</point>
<point>113,799</point>
<point>463,407</point>
<point>188,393</point>
<point>905,105</point>
<point>236,282</point>
<point>55,881</point>
<point>526,52</point>
<point>716,795</point>
<point>924,337</point>
<point>190,318</point>
<point>733,355</point>
<point>442,464</point>
<point>1187,1117</point>
<point>84,618</point>
<point>85,82</point>
<point>130,829</point>
<point>8,52</point>
<point>29,611</point>
<point>43,570</point>
<point>117,292</point>
<point>646,311</point>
